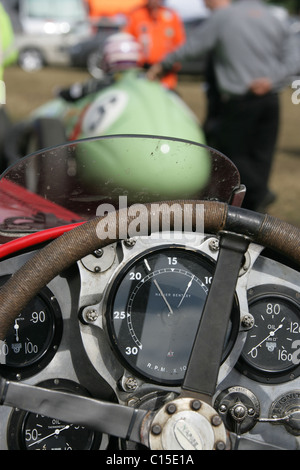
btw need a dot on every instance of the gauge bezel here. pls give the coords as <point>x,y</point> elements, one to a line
<point>17,419</point>
<point>265,375</point>
<point>210,263</point>
<point>21,372</point>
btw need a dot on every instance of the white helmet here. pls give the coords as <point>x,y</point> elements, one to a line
<point>121,51</point>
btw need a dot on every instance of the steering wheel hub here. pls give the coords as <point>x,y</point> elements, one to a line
<point>187,424</point>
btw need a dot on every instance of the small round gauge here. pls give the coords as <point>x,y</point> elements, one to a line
<point>271,345</point>
<point>33,339</point>
<point>30,431</point>
<point>42,433</point>
<point>154,311</point>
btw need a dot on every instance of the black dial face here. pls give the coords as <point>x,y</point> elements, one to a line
<point>31,431</point>
<point>42,433</point>
<point>154,312</point>
<point>271,346</point>
<point>33,339</point>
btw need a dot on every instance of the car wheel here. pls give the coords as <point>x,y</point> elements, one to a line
<point>31,60</point>
<point>94,64</point>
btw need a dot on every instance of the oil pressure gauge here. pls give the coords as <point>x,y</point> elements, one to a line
<point>270,351</point>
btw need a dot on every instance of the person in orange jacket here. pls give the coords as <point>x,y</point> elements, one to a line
<point>159,30</point>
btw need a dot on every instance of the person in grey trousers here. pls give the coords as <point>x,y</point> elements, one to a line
<point>254,56</point>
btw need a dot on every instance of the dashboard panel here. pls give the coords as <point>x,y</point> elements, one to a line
<point>119,325</point>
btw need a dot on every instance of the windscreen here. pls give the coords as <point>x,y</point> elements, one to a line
<point>69,182</point>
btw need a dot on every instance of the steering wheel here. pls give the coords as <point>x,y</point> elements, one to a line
<point>190,419</point>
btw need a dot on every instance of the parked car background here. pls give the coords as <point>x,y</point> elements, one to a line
<point>45,30</point>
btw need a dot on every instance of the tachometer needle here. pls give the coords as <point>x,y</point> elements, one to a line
<point>163,296</point>
<point>159,289</point>
<point>186,290</point>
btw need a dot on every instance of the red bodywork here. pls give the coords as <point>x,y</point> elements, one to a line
<point>16,201</point>
<point>19,203</point>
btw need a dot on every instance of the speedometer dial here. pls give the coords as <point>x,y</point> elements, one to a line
<point>270,351</point>
<point>155,309</point>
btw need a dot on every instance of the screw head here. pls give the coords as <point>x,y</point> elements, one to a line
<point>196,405</point>
<point>130,242</point>
<point>220,445</point>
<point>92,315</point>
<point>156,429</point>
<point>239,412</point>
<point>223,408</point>
<point>131,384</point>
<point>171,408</point>
<point>248,321</point>
<point>214,244</point>
<point>216,420</point>
<point>98,253</point>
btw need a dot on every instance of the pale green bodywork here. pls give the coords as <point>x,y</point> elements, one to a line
<point>134,105</point>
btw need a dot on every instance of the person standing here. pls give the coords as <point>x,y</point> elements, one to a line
<point>254,56</point>
<point>159,30</point>
<point>8,55</point>
<point>213,97</point>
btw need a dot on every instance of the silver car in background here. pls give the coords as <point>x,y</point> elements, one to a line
<point>45,30</point>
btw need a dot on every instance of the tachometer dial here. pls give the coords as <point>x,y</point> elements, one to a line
<point>270,351</point>
<point>154,312</point>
